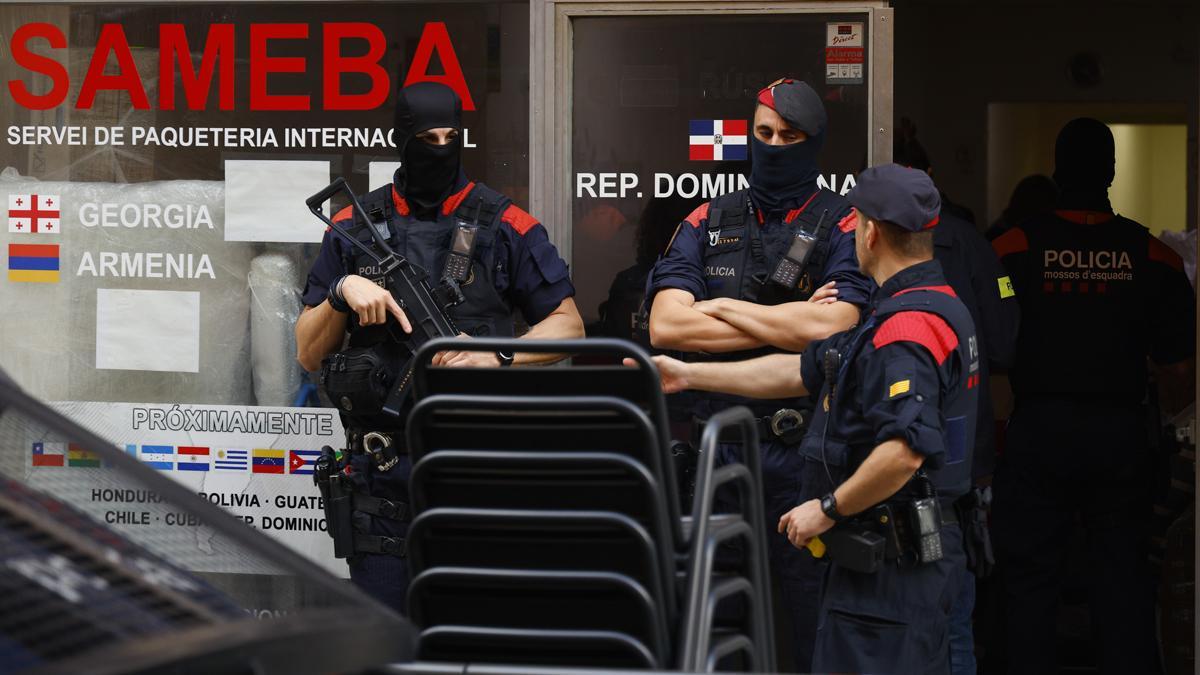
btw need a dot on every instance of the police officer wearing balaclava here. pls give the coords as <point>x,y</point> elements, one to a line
<point>513,266</point>
<point>1100,300</point>
<point>734,282</point>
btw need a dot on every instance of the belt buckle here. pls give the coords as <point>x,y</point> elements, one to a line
<point>784,415</point>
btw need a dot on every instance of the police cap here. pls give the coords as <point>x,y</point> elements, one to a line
<point>902,196</point>
<point>797,103</point>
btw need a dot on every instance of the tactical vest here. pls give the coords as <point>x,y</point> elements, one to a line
<point>840,456</point>
<point>426,243</point>
<point>1087,310</point>
<point>739,256</point>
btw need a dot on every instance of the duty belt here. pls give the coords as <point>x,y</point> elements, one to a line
<point>384,447</point>
<point>786,424</point>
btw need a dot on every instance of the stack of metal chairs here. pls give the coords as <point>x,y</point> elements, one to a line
<point>548,530</point>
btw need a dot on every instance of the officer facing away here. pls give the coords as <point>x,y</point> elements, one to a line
<point>512,265</point>
<point>1100,299</point>
<point>732,284</point>
<point>889,443</point>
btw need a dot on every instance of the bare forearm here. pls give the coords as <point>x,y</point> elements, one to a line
<point>789,326</point>
<point>889,466</point>
<point>772,376</point>
<point>563,323</point>
<point>319,331</point>
<point>674,324</point>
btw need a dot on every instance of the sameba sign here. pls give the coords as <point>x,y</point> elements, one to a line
<point>176,67</point>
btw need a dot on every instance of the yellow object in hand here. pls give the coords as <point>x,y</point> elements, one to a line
<point>816,547</point>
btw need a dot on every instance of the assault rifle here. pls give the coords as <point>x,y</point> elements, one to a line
<point>425,307</point>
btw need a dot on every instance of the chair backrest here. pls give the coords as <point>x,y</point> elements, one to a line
<point>507,479</point>
<point>638,385</point>
<point>533,647</point>
<point>538,600</point>
<point>541,424</point>
<point>541,540</point>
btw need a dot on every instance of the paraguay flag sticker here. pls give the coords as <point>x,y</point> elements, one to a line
<point>717,140</point>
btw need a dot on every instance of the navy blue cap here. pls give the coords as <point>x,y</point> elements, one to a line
<point>900,195</point>
<point>797,103</point>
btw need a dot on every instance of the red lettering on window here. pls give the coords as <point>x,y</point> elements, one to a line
<point>60,82</point>
<point>112,40</point>
<point>336,64</point>
<point>173,49</point>
<point>262,65</point>
<point>435,37</point>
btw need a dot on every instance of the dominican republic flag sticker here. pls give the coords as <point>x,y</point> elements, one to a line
<point>717,140</point>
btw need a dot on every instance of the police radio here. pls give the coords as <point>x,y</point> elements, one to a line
<point>787,272</point>
<point>462,248</point>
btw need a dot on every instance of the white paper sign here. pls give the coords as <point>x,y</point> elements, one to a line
<point>264,200</point>
<point>148,330</point>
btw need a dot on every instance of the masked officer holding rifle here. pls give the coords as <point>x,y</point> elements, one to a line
<point>498,255</point>
<point>733,284</point>
<point>887,452</point>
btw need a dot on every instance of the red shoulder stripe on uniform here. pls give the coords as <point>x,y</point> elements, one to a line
<point>399,202</point>
<point>455,199</point>
<point>849,223</point>
<point>1160,252</point>
<point>518,219</point>
<point>940,289</point>
<point>1084,217</point>
<point>928,330</point>
<point>795,213</point>
<point>698,215</point>
<point>344,214</point>
<point>1013,241</point>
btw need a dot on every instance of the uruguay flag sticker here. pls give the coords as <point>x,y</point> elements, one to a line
<point>717,140</point>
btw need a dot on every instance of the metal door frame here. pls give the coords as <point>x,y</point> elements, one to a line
<point>551,64</point>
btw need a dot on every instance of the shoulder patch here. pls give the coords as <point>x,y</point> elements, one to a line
<point>928,330</point>
<point>344,214</point>
<point>849,223</point>
<point>1160,252</point>
<point>518,219</point>
<point>1013,241</point>
<point>701,213</point>
<point>457,198</point>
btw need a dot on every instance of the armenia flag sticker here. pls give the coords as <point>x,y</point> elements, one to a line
<point>37,263</point>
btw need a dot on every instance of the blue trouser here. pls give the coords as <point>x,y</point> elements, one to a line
<point>1071,465</point>
<point>384,577</point>
<point>895,620</point>
<point>798,572</point>
<point>962,633</point>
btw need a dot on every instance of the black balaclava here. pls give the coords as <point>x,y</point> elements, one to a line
<point>781,176</point>
<point>429,173</point>
<point>1084,165</point>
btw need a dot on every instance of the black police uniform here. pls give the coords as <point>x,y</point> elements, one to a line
<point>908,371</point>
<point>728,248</point>
<point>1098,295</point>
<point>514,267</point>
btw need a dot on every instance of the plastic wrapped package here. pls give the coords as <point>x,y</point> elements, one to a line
<point>274,284</point>
<point>150,302</point>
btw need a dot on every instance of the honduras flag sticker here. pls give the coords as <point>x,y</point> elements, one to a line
<point>717,140</point>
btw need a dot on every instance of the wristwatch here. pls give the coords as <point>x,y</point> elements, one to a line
<point>829,508</point>
<point>506,360</point>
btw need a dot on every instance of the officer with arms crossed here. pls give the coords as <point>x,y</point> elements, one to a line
<point>512,265</point>
<point>732,285</point>
<point>1100,298</point>
<point>887,452</point>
